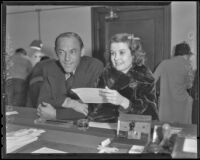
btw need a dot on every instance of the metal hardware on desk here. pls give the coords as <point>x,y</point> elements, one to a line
<point>60,121</point>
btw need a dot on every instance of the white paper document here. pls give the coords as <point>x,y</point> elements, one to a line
<point>20,138</point>
<point>90,95</point>
<point>190,145</point>
<point>136,149</point>
<point>13,146</point>
<point>11,113</point>
<point>48,150</point>
<point>103,125</point>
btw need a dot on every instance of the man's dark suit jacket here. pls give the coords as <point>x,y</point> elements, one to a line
<point>53,89</point>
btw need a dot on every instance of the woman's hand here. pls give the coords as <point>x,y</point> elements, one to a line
<point>113,97</point>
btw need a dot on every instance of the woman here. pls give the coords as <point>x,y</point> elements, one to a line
<point>176,76</point>
<point>129,85</point>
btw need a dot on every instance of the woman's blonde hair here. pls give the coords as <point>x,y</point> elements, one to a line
<point>134,45</point>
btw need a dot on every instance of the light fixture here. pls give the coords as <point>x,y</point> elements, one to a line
<point>112,14</point>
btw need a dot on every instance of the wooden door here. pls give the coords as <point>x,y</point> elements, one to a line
<point>150,23</point>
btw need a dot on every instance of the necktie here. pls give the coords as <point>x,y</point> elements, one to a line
<point>69,80</point>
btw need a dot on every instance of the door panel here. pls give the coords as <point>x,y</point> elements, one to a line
<point>148,23</point>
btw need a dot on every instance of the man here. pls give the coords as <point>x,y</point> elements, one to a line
<point>36,51</point>
<point>176,76</point>
<point>56,100</point>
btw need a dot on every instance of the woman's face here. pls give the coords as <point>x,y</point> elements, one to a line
<point>121,56</point>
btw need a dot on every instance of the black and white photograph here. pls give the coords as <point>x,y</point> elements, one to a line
<point>73,72</point>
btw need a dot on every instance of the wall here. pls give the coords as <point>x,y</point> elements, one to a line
<point>23,27</point>
<point>184,26</point>
<point>76,20</point>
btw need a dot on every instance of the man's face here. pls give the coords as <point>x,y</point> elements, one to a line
<point>36,56</point>
<point>69,53</point>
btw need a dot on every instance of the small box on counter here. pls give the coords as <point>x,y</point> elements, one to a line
<point>133,126</point>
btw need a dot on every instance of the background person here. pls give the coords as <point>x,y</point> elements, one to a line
<point>176,76</point>
<point>16,85</point>
<point>36,51</point>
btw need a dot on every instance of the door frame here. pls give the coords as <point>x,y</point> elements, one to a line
<point>97,11</point>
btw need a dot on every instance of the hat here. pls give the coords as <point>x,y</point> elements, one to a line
<point>36,44</point>
<point>183,49</point>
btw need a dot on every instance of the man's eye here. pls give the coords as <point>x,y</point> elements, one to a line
<point>73,51</point>
<point>61,52</point>
<point>112,53</point>
<point>122,52</point>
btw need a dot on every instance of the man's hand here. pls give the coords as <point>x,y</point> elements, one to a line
<point>46,111</point>
<point>82,108</point>
<point>76,105</point>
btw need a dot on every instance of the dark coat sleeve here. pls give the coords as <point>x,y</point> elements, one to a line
<point>34,80</point>
<point>143,93</point>
<point>52,89</point>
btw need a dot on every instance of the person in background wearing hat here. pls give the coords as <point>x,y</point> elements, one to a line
<point>36,57</point>
<point>176,76</point>
<point>36,53</point>
<point>17,82</point>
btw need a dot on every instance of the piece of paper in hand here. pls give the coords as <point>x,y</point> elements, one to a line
<point>90,95</point>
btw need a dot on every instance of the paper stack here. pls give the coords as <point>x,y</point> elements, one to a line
<point>11,113</point>
<point>103,125</point>
<point>48,150</point>
<point>190,145</point>
<point>20,138</point>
